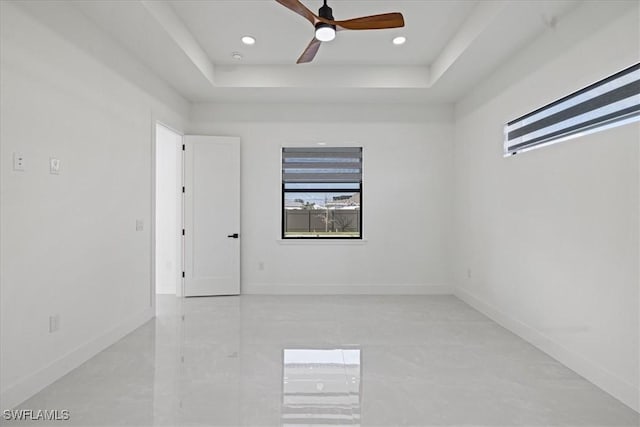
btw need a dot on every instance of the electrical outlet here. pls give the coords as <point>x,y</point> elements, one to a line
<point>54,323</point>
<point>18,162</point>
<point>139,224</point>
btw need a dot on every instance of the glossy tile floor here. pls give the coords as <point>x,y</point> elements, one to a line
<point>354,360</point>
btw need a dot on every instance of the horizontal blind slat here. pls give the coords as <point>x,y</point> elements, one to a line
<point>337,177</point>
<point>322,150</point>
<point>321,165</point>
<point>311,155</point>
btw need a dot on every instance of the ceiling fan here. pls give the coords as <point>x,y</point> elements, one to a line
<point>326,27</point>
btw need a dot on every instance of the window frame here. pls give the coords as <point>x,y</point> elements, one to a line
<point>284,191</point>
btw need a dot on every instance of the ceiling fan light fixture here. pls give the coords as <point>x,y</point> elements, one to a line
<point>325,32</point>
<point>399,40</point>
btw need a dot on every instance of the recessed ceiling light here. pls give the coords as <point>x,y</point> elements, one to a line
<point>237,56</point>
<point>248,40</point>
<point>399,40</point>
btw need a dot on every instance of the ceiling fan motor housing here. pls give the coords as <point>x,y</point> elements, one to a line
<point>327,13</point>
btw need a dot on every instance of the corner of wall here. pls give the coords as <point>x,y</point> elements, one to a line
<point>17,393</point>
<point>600,376</point>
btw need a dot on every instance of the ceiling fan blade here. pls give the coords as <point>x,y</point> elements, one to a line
<point>374,22</point>
<point>310,52</point>
<point>300,9</point>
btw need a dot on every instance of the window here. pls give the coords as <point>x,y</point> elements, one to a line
<point>322,193</point>
<point>611,102</point>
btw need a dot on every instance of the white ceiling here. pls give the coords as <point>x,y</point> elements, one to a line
<point>282,35</point>
<point>451,46</point>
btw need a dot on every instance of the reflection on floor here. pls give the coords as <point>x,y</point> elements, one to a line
<point>321,387</point>
<point>414,360</point>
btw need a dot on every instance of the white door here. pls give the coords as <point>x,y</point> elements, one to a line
<point>211,215</point>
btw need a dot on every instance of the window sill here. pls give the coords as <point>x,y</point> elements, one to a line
<point>313,242</point>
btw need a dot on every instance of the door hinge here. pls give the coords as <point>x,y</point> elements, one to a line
<point>183,188</point>
<point>183,231</point>
<point>183,147</point>
<point>183,274</point>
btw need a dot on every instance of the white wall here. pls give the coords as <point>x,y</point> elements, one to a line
<point>406,166</point>
<point>168,211</point>
<point>69,241</point>
<point>551,236</point>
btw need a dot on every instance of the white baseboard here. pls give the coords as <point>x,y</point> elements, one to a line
<point>29,386</point>
<point>344,289</point>
<point>615,386</point>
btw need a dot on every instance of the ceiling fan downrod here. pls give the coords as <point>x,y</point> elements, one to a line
<point>325,12</point>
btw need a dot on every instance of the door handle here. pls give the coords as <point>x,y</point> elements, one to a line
<point>234,235</point>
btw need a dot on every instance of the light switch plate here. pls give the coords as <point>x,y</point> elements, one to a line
<point>54,166</point>
<point>54,323</point>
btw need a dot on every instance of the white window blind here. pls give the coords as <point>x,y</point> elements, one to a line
<point>610,102</point>
<point>321,165</point>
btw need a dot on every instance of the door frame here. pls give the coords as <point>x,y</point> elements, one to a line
<point>180,178</point>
